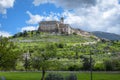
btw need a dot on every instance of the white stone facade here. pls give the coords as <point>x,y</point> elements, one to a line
<point>60,28</point>
<point>54,26</point>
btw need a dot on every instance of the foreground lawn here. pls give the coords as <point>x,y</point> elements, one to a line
<point>80,75</point>
<point>21,75</point>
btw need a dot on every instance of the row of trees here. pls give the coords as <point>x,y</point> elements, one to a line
<point>27,34</point>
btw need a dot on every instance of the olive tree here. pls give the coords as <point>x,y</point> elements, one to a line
<point>45,57</point>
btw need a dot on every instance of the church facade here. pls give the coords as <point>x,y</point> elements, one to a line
<point>55,27</point>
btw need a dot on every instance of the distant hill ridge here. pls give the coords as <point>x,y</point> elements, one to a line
<point>106,35</point>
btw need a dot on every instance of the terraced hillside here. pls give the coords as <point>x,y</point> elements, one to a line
<point>72,52</point>
<point>43,38</point>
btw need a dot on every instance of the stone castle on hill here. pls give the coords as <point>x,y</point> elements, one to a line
<point>59,27</point>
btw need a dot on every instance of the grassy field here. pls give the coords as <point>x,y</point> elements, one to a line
<point>37,75</point>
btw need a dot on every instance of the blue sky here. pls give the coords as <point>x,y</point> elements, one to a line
<point>88,15</point>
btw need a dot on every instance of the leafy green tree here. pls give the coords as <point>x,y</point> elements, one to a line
<point>37,32</point>
<point>25,33</point>
<point>99,66</point>
<point>8,54</point>
<point>116,63</point>
<point>32,33</point>
<point>27,61</point>
<point>112,64</point>
<point>108,65</point>
<point>86,63</point>
<point>36,63</point>
<point>76,50</point>
<point>45,57</point>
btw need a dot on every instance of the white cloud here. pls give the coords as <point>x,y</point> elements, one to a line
<point>90,15</point>
<point>28,28</point>
<point>35,19</point>
<point>5,4</point>
<point>4,34</point>
<point>114,30</point>
<point>52,16</point>
<point>68,4</point>
<point>38,2</point>
<point>102,17</point>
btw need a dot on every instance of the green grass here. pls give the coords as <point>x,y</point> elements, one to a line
<point>21,75</point>
<point>99,76</point>
<point>37,75</point>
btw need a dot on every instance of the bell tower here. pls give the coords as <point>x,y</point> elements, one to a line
<point>62,20</point>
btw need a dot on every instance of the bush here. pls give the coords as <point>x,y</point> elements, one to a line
<point>60,45</point>
<point>113,64</point>
<point>60,77</point>
<point>116,63</point>
<point>99,66</point>
<point>109,66</point>
<point>74,33</point>
<point>54,77</point>
<point>71,77</point>
<point>74,68</point>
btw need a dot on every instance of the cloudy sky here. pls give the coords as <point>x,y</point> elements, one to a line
<point>88,15</point>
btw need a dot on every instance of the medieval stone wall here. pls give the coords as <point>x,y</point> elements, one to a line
<point>48,26</point>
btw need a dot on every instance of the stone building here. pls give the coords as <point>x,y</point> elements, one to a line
<point>59,27</point>
<point>55,27</point>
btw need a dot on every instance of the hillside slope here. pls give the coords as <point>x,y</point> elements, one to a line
<point>46,37</point>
